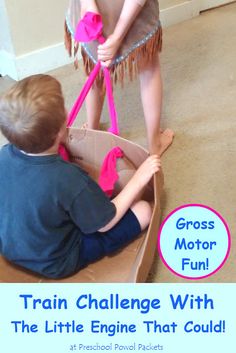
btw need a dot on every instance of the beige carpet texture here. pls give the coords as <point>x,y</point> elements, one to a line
<point>199,76</point>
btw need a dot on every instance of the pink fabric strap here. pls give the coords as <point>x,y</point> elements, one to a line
<point>83,94</point>
<point>90,28</point>
<point>110,98</point>
<point>108,174</point>
<point>111,104</point>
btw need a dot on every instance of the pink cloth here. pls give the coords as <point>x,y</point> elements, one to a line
<point>89,28</point>
<point>108,174</point>
<point>63,152</point>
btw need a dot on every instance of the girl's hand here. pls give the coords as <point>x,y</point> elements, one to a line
<point>107,51</point>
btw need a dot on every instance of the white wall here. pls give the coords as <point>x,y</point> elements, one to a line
<point>35,24</point>
<point>32,36</point>
<point>5,37</point>
<point>175,11</point>
<point>6,48</point>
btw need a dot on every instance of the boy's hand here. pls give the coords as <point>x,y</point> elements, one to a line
<point>107,51</point>
<point>149,167</point>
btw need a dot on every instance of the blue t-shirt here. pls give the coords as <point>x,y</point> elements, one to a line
<point>46,204</point>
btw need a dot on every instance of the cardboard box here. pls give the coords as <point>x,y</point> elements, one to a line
<point>132,264</point>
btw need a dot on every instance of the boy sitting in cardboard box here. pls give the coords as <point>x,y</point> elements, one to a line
<point>55,219</point>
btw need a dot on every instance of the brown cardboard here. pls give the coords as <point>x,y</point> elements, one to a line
<point>132,264</point>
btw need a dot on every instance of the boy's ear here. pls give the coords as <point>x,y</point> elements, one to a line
<point>62,134</point>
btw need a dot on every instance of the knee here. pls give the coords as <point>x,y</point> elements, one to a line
<point>143,211</point>
<point>146,68</point>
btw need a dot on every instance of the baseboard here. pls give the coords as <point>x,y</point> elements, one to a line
<point>38,61</point>
<point>209,4</point>
<point>178,13</point>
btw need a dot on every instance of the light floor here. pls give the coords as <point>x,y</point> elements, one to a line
<point>199,74</point>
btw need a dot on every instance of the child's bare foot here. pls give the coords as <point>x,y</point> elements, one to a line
<point>163,141</point>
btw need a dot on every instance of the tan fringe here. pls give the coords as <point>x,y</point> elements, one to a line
<point>129,66</point>
<point>71,45</point>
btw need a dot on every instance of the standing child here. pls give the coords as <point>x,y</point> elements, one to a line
<point>54,218</point>
<point>134,39</point>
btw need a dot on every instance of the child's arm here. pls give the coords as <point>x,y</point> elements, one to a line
<point>88,5</point>
<point>124,200</point>
<point>130,10</point>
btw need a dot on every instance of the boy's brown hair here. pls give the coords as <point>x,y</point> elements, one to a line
<point>32,113</point>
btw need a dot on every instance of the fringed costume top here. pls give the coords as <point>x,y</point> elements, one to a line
<point>142,42</point>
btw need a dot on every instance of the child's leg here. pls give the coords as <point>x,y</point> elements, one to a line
<point>151,96</point>
<point>143,213</point>
<point>97,245</point>
<point>94,105</point>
